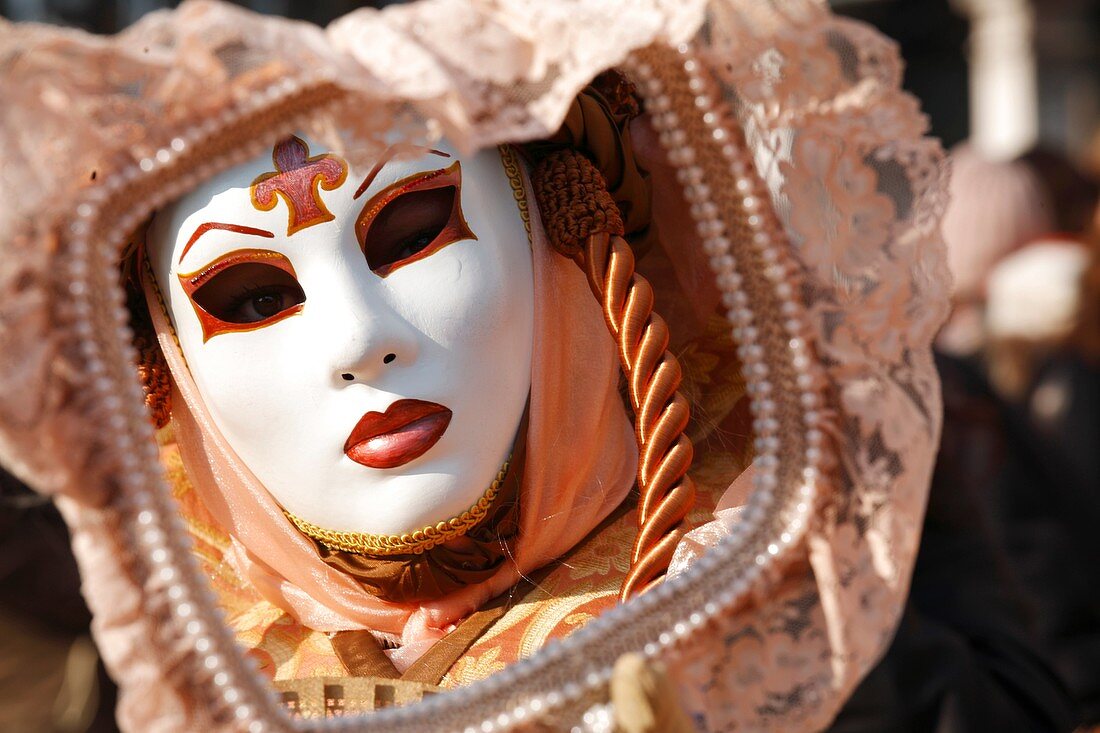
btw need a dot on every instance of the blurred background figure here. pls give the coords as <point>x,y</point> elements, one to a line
<point>1032,110</point>
<point>1002,627</point>
<point>51,680</point>
<point>996,207</point>
<point>1034,298</point>
<point>1043,356</point>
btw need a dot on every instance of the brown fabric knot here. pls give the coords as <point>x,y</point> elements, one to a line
<point>573,200</point>
<point>597,125</point>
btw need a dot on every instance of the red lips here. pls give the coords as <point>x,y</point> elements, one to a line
<point>405,431</point>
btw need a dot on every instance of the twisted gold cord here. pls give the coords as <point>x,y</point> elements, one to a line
<point>411,543</point>
<point>583,222</point>
<point>653,376</point>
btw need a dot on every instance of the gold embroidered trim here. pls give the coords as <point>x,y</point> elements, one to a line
<point>511,162</point>
<point>412,543</point>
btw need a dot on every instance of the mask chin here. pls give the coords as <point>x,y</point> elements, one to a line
<point>469,558</point>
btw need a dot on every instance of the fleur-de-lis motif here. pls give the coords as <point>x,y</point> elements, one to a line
<point>299,179</point>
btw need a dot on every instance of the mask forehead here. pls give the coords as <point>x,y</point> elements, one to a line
<point>297,186</point>
<point>281,192</point>
<point>297,181</point>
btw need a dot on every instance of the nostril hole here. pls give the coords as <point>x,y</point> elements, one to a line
<point>388,358</point>
<point>347,377</point>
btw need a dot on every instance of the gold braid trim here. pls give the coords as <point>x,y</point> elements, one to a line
<point>511,162</point>
<point>412,543</point>
<point>583,223</point>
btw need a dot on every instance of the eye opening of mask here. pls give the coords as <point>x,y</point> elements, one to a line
<point>245,290</point>
<point>412,219</point>
<point>407,226</point>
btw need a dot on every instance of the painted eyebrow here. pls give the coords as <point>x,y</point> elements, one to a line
<point>386,157</point>
<point>202,229</point>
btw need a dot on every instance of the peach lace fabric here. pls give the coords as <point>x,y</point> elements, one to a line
<point>860,193</point>
<point>857,188</point>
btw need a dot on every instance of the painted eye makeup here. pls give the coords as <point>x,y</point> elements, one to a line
<point>243,291</point>
<point>412,219</point>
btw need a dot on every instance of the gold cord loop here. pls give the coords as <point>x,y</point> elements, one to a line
<point>568,188</point>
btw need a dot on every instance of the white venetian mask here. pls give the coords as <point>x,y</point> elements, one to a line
<point>361,338</point>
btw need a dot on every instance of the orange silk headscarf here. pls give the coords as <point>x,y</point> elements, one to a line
<point>581,461</point>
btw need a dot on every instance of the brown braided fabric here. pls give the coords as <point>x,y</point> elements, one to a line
<point>598,124</point>
<point>153,373</point>
<point>574,202</point>
<point>152,368</point>
<point>576,209</point>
